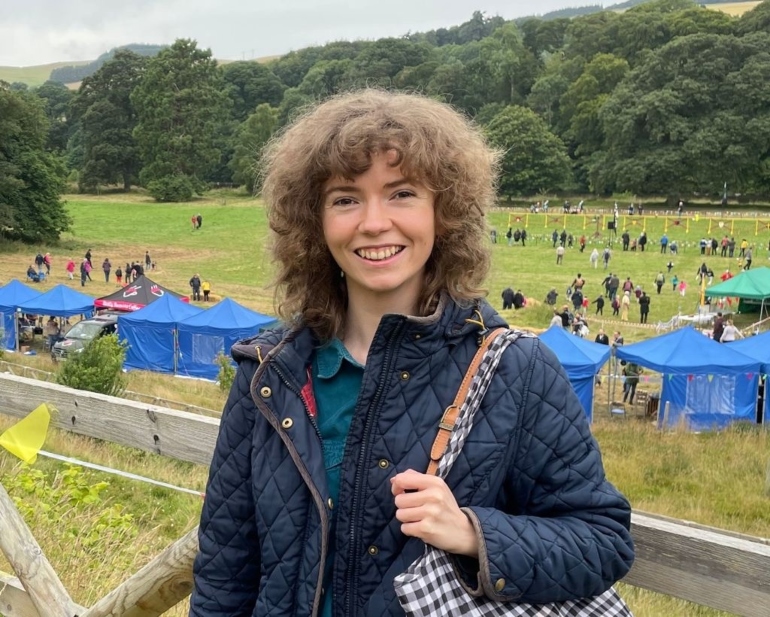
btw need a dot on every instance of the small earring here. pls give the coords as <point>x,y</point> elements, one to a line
<point>342,274</point>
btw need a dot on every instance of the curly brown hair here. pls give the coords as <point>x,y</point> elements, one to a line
<point>434,144</point>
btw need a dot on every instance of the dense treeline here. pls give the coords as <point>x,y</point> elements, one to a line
<point>666,98</point>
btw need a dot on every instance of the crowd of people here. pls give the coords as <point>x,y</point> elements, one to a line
<point>40,269</point>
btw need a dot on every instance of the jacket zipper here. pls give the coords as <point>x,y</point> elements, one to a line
<point>355,539</point>
<point>318,500</point>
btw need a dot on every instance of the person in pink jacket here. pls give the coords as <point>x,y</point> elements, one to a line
<point>70,267</point>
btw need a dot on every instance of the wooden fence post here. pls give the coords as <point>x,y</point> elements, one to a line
<point>45,590</point>
<point>161,584</point>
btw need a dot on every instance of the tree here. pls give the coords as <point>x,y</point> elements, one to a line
<point>327,77</point>
<point>106,121</point>
<point>534,159</point>
<point>249,84</point>
<point>755,20</point>
<point>293,102</point>
<point>180,104</point>
<point>31,179</point>
<point>691,117</point>
<point>56,99</point>
<point>581,102</point>
<point>250,138</point>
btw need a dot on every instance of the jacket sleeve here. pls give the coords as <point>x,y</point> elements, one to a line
<point>226,569</point>
<point>569,537</point>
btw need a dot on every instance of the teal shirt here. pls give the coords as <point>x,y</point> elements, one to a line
<point>336,382</point>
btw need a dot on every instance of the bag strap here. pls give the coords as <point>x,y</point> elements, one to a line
<point>451,413</point>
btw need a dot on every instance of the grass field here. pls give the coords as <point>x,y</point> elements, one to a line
<point>711,479</point>
<point>736,9</point>
<point>32,75</point>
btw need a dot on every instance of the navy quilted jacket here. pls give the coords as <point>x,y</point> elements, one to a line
<point>530,478</point>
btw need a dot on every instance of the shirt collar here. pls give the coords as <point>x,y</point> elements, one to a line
<point>329,359</point>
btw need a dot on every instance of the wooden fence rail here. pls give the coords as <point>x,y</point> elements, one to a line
<point>711,567</point>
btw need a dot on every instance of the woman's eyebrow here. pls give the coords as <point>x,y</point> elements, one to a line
<point>351,188</point>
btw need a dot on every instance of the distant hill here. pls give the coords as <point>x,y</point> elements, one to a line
<point>732,8</point>
<point>72,73</point>
<point>78,72</point>
<point>33,76</point>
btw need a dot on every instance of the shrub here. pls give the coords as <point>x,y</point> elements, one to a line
<point>226,372</point>
<point>173,188</point>
<point>98,368</point>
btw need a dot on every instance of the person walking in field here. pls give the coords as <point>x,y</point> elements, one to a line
<point>106,268</point>
<point>644,307</point>
<point>321,489</point>
<point>625,303</point>
<point>70,268</point>
<point>119,276</point>
<point>594,258</point>
<point>560,254</point>
<point>606,256</point>
<point>748,258</point>
<point>660,280</point>
<point>206,288</point>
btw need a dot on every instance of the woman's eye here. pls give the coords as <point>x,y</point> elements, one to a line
<point>404,194</point>
<point>343,201</point>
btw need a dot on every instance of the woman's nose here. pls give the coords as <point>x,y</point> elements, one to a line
<point>375,217</point>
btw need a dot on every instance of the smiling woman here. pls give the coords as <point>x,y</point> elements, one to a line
<point>318,496</point>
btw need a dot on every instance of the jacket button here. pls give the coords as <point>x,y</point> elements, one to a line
<point>417,337</point>
<point>404,375</point>
<point>287,423</point>
<point>330,503</point>
<point>383,463</point>
<point>265,392</point>
<point>373,550</point>
<point>500,584</point>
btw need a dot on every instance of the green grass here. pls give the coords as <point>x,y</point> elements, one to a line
<point>32,75</point>
<point>714,479</point>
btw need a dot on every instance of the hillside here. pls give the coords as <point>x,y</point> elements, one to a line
<point>71,73</point>
<point>33,75</point>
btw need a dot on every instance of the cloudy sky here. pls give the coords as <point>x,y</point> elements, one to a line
<point>41,31</point>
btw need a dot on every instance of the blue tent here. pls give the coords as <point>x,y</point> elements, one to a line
<point>12,294</point>
<point>581,359</point>
<point>211,332</point>
<point>60,301</point>
<point>758,347</point>
<point>707,384</point>
<point>151,334</point>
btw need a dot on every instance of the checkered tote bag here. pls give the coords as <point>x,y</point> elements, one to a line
<point>429,586</point>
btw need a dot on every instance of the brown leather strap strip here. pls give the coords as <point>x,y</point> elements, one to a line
<point>451,413</point>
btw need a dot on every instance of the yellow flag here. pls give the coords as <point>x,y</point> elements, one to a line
<point>25,438</point>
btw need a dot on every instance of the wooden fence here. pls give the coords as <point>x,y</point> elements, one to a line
<point>712,567</point>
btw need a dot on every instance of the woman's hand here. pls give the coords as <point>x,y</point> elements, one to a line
<point>428,510</point>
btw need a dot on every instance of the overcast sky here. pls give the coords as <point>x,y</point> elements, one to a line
<point>41,31</point>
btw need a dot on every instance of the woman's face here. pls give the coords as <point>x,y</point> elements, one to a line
<point>380,229</point>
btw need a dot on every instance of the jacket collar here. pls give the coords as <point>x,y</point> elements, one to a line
<point>292,349</point>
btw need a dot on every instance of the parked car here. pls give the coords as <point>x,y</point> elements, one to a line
<point>82,333</point>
